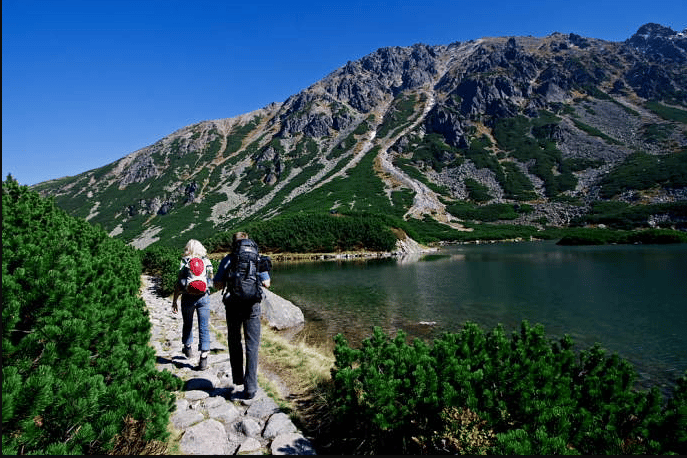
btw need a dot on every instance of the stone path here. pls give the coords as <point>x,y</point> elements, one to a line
<point>213,421</point>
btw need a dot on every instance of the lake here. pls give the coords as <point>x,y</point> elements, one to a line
<point>632,299</point>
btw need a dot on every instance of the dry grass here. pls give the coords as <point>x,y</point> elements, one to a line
<point>465,433</point>
<point>305,369</point>
<point>130,441</point>
<point>300,366</point>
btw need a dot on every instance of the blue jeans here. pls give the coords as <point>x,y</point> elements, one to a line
<point>200,305</point>
<point>246,316</point>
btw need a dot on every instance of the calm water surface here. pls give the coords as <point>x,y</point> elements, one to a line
<point>632,299</point>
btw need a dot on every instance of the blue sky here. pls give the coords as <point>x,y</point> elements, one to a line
<point>85,83</point>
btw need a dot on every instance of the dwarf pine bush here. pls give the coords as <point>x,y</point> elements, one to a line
<point>163,262</point>
<point>486,392</point>
<point>75,356</point>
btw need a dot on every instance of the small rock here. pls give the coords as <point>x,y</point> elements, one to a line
<point>263,408</point>
<point>249,446</point>
<point>186,418</point>
<point>214,401</point>
<point>279,423</point>
<point>181,404</point>
<point>225,413</point>
<point>250,427</point>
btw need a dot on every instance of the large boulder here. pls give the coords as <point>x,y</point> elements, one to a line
<point>279,313</point>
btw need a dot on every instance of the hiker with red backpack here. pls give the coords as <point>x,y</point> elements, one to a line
<point>242,274</point>
<point>193,284</point>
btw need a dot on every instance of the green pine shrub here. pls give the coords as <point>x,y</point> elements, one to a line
<point>477,191</point>
<point>594,236</point>
<point>532,139</point>
<point>433,151</point>
<point>666,112</point>
<point>490,212</point>
<point>482,392</point>
<point>75,356</point>
<point>162,262</point>
<point>621,215</point>
<point>641,171</point>
<point>399,115</point>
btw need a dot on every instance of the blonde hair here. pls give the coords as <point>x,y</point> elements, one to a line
<point>195,248</point>
<point>240,236</point>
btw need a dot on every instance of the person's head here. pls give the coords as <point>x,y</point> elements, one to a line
<point>195,248</point>
<point>240,236</point>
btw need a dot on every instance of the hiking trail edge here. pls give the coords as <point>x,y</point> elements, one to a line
<point>210,415</point>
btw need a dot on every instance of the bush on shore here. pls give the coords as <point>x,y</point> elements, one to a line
<point>594,236</point>
<point>480,392</point>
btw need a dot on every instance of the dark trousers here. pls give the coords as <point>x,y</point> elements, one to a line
<point>246,317</point>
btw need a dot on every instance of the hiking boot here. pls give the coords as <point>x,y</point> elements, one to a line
<point>187,351</point>
<point>203,364</point>
<point>247,398</point>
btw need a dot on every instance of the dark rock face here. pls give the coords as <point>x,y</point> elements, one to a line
<point>370,81</point>
<point>312,125</point>
<point>448,124</point>
<point>650,80</point>
<point>191,191</point>
<point>660,69</point>
<point>658,42</point>
<point>491,97</point>
<point>579,41</point>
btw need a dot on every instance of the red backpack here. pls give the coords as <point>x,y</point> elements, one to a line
<point>193,275</point>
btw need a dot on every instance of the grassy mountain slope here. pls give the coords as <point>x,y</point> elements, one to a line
<point>507,130</point>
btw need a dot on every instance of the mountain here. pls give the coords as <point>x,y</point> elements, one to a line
<point>535,131</point>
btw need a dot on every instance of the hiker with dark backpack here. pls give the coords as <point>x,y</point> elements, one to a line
<point>194,281</point>
<point>242,274</point>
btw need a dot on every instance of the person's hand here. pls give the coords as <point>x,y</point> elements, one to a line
<point>175,307</point>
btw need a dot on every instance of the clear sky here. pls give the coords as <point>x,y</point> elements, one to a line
<point>85,83</point>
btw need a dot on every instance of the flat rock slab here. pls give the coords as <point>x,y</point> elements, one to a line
<point>278,424</point>
<point>205,438</point>
<point>185,418</point>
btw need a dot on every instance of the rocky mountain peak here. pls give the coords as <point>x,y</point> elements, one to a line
<point>419,132</point>
<point>660,42</point>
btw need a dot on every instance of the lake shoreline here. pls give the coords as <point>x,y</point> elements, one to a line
<point>415,249</point>
<point>366,254</point>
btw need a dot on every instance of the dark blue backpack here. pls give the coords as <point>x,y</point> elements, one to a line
<point>243,283</point>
